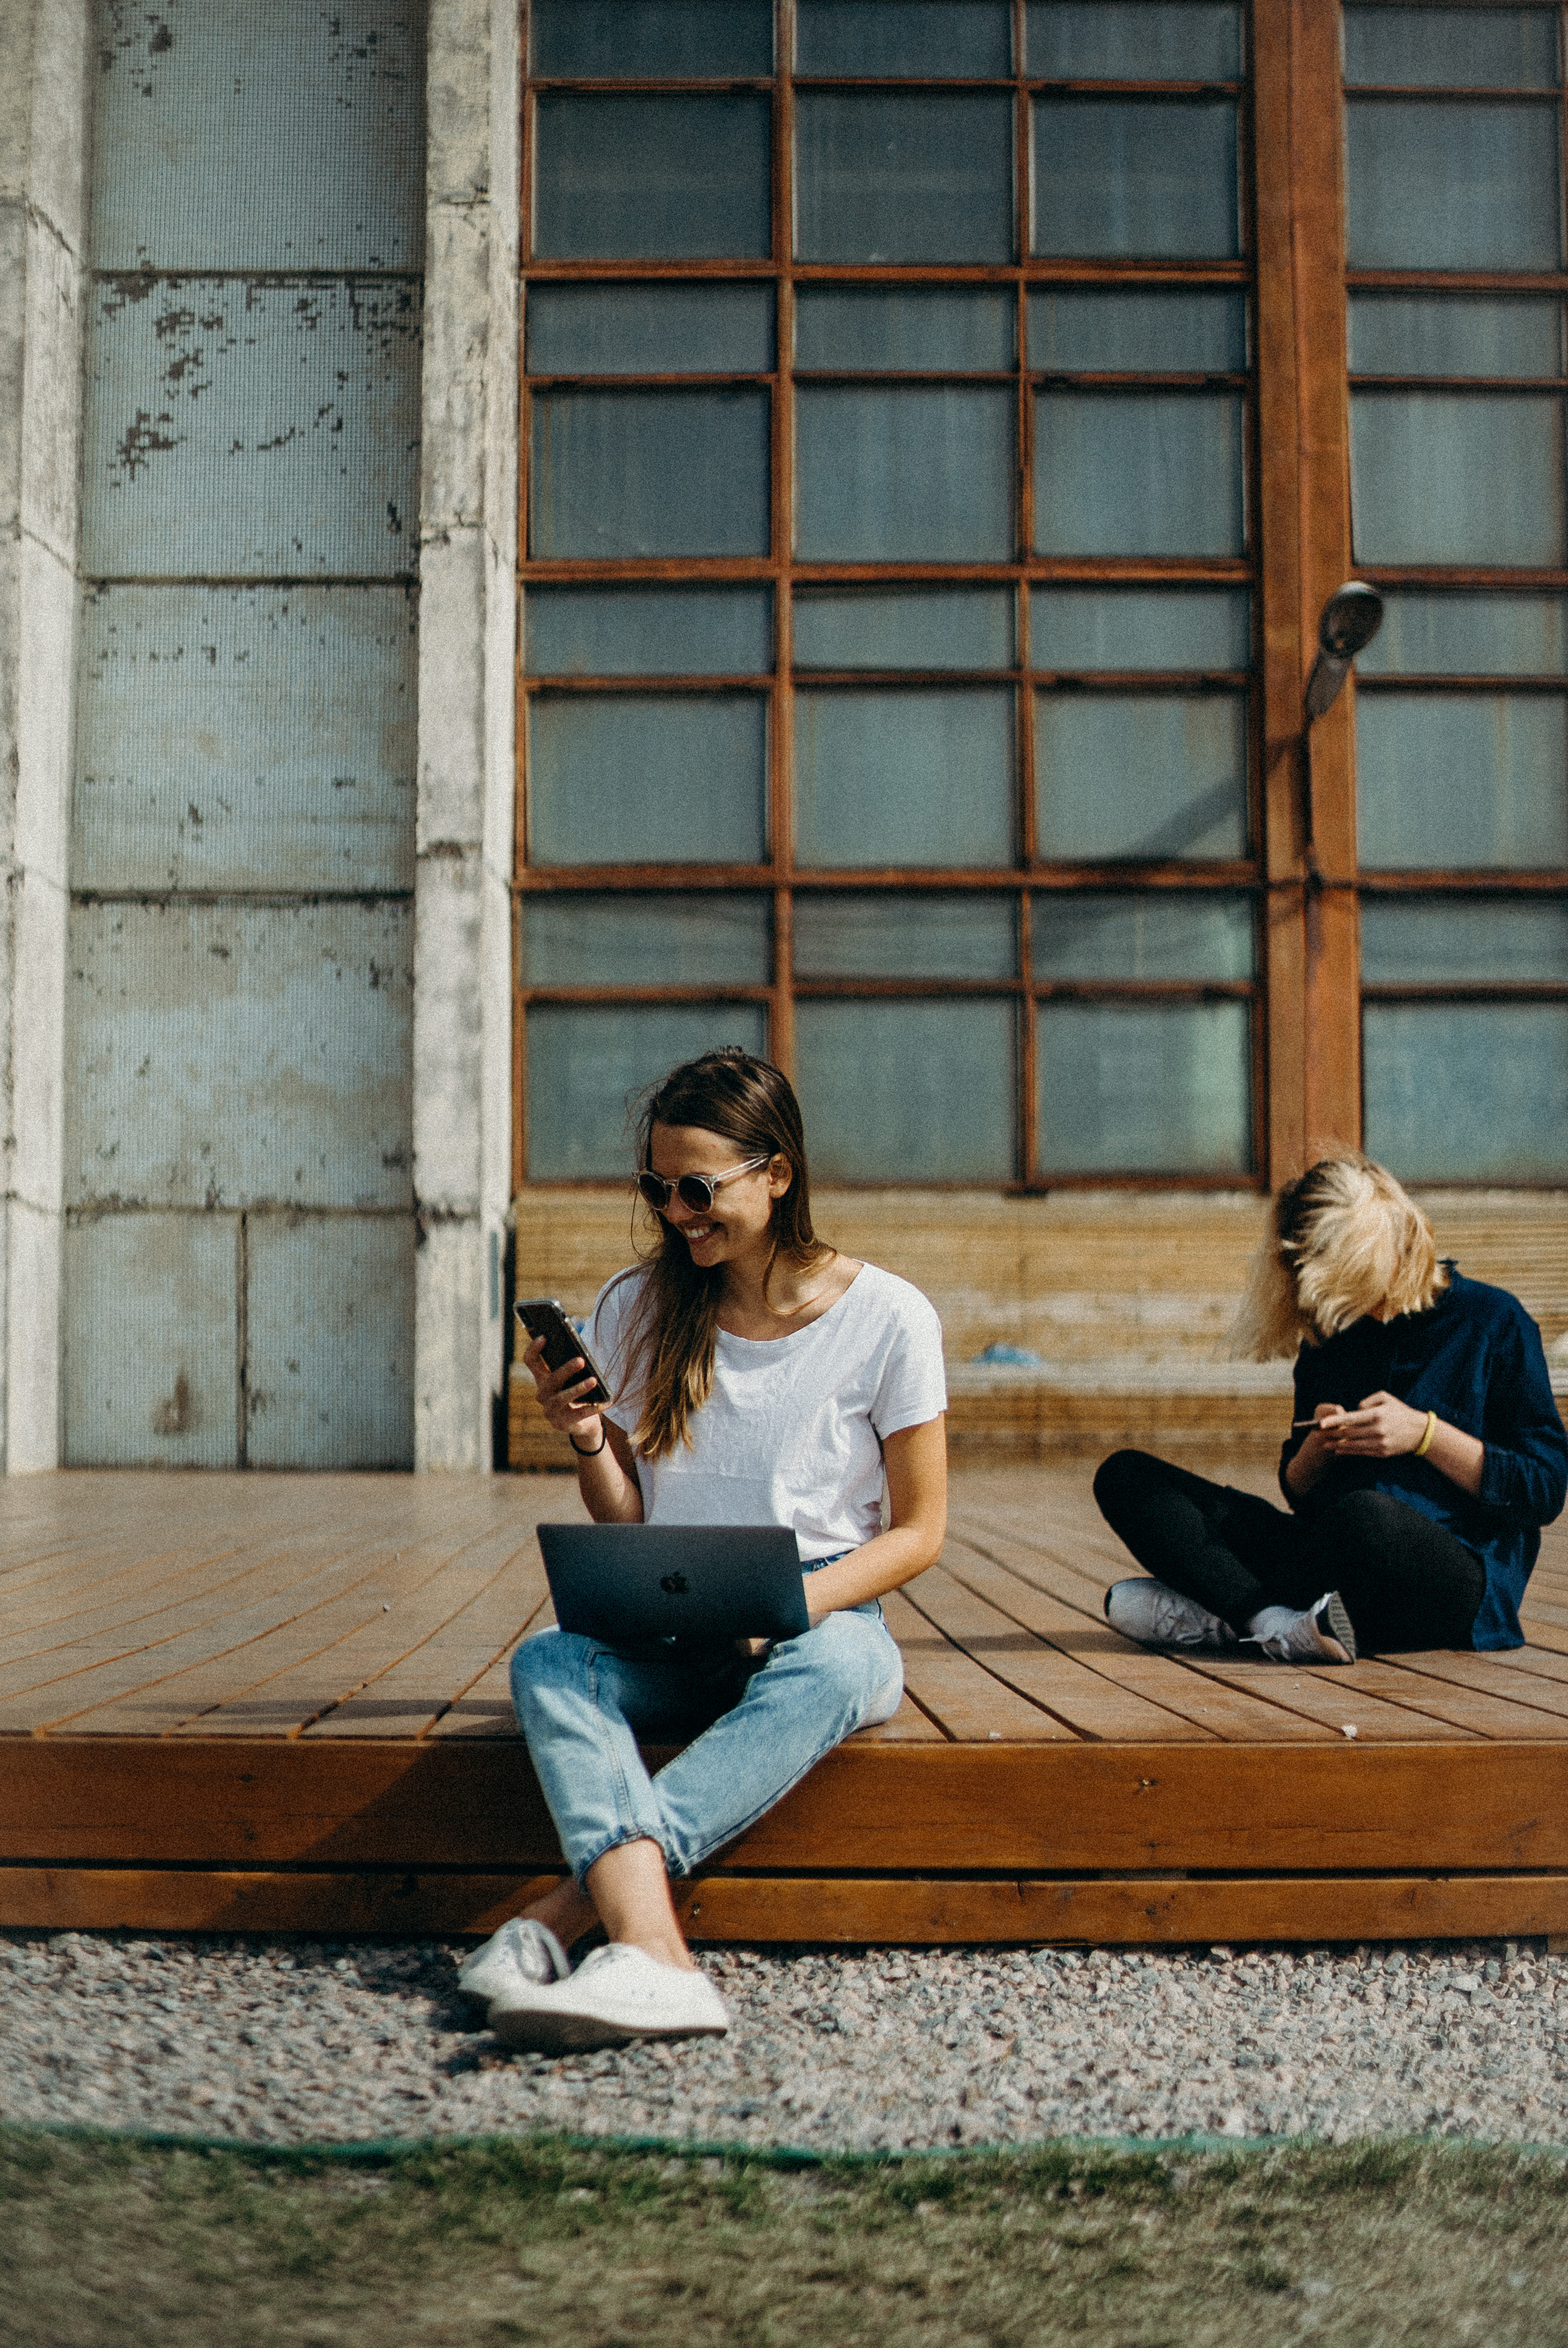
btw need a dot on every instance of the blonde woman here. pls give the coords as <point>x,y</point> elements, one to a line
<point>1427,1452</point>
<point>761,1378</point>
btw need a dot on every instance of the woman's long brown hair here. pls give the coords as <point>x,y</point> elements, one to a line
<point>674,1324</point>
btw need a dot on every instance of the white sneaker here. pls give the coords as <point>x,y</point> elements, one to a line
<point>1158,1617</point>
<point>1320,1633</point>
<point>617,1992</point>
<point>522,1950</point>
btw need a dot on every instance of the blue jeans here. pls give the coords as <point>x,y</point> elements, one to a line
<point>755,1729</point>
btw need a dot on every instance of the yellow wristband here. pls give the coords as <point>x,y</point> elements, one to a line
<point>1425,1443</point>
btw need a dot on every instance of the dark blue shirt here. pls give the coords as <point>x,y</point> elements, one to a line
<point>1475,1358</point>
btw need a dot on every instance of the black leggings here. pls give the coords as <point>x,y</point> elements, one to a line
<point>1405,1581</point>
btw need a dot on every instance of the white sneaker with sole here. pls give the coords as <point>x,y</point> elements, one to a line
<point>1320,1633</point>
<point>522,1950</point>
<point>1158,1617</point>
<point>615,1994</point>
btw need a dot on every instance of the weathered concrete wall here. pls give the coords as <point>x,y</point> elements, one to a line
<point>462,1014</point>
<point>239,1268</point>
<point>44,72</point>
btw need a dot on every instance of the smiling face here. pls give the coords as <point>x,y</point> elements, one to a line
<point>738,1226</point>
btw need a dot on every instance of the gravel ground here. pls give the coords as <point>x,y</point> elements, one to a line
<point>288,2041</point>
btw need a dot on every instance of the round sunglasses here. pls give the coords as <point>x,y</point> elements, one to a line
<point>694,1191</point>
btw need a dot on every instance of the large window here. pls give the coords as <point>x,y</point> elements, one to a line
<point>944,421</point>
<point>890,580</point>
<point>1456,293</point>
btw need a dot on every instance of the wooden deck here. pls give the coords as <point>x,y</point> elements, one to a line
<point>244,1703</point>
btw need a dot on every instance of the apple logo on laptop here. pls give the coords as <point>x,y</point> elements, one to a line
<point>675,1584</point>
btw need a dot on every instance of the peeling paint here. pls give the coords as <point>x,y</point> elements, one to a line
<point>245,435</point>
<point>240,1245</point>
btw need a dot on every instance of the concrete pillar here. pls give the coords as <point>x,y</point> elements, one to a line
<point>462,1014</point>
<point>44,52</point>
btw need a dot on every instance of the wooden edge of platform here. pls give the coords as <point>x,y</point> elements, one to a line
<point>760,1909</point>
<point>920,1811</point>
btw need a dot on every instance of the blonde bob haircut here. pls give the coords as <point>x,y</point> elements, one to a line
<point>1344,1240</point>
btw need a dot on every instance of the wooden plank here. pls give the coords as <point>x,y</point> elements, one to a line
<point>219,1645</point>
<point>966,1702</point>
<point>180,1899</point>
<point>412,1693</point>
<point>761,1909</point>
<point>212,1589</point>
<point>1341,1699</point>
<point>482,1709</point>
<point>1207,1705</point>
<point>1087,1701</point>
<point>1375,1697</point>
<point>915,1808</point>
<point>958,1912</point>
<point>1505,1690</point>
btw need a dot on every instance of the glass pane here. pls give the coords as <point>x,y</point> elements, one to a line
<point>642,40</point>
<point>1145,775</point>
<point>1451,49</point>
<point>958,627</point>
<point>1456,477</point>
<point>918,39</point>
<point>650,329</point>
<point>922,473</point>
<point>1134,40</point>
<point>907,1092</point>
<point>1461,780</point>
<point>845,936</point>
<point>1139,472</point>
<point>1088,628</point>
<point>649,472</point>
<point>903,778</point>
<point>1151,334</point>
<point>692,940</point>
<point>675,178</point>
<point>896,177</point>
<point>1443,186</point>
<point>647,779</point>
<point>587,1064</point>
<point>905,329</point>
<point>1143,1088</point>
<point>1467,1092</point>
<point>1469,635</point>
<point>1455,333</point>
<point>1436,940</point>
<point>1141,937</point>
<point>647,631</point>
<point>1153,179</point>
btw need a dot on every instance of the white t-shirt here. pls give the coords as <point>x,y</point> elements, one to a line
<point>791,1433</point>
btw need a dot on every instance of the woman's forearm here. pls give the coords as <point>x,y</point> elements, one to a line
<point>1307,1467</point>
<point>1460,1456</point>
<point>607,1480</point>
<point>879,1565</point>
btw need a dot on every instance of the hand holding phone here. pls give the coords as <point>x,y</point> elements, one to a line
<point>545,1316</point>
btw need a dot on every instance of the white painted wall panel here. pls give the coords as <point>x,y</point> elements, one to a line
<point>330,1341</point>
<point>323,103</point>
<point>151,1361</point>
<point>227,1055</point>
<point>237,738</point>
<point>243,429</point>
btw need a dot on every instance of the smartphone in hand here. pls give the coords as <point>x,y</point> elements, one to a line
<point>545,1316</point>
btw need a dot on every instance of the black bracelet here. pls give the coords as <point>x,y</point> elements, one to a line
<point>599,1447</point>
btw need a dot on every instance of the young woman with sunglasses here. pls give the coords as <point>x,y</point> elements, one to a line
<point>760,1378</point>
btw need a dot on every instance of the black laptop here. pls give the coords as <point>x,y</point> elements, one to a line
<point>703,1584</point>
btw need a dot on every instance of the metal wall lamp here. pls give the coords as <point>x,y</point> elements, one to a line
<point>1351,618</point>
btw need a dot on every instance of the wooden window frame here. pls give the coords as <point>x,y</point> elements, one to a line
<point>1300,872</point>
